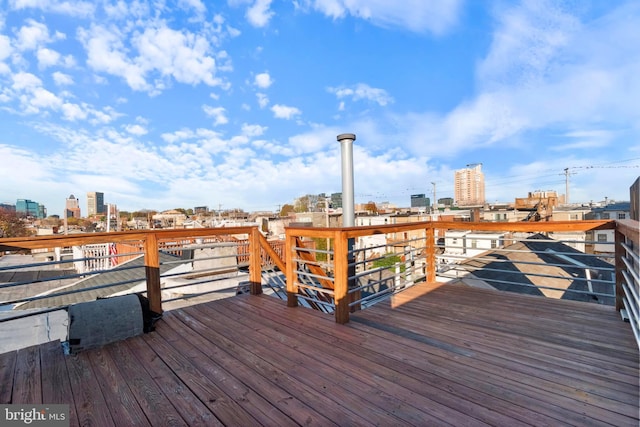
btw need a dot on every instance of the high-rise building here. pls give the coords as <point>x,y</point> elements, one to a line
<point>469,186</point>
<point>25,207</point>
<point>72,207</point>
<point>95,203</point>
<point>420,201</point>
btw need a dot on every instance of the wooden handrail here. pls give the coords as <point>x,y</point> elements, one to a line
<point>264,243</point>
<point>341,237</point>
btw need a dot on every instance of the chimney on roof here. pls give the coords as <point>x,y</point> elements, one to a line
<point>348,200</point>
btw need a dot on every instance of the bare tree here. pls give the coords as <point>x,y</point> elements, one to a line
<point>11,225</point>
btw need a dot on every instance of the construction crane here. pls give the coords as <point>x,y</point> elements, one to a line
<point>568,169</point>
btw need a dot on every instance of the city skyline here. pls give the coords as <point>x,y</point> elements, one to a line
<point>163,105</point>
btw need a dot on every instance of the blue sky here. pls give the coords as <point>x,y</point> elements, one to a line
<point>165,104</point>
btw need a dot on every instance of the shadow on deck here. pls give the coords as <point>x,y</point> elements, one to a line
<point>433,355</point>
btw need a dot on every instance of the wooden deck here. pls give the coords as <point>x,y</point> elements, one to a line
<point>445,355</point>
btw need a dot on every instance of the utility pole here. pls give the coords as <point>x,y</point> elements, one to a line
<point>435,199</point>
<point>566,185</point>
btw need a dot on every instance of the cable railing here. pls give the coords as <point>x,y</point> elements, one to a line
<point>628,273</point>
<point>161,265</point>
<point>334,270</point>
<point>367,265</point>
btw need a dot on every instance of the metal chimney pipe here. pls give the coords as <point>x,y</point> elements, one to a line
<point>348,200</point>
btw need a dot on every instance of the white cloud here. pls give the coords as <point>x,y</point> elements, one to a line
<point>530,38</point>
<point>24,80</point>
<point>24,160</point>
<point>263,100</point>
<point>106,53</point>
<point>259,14</point>
<point>137,130</point>
<point>5,47</point>
<point>435,16</point>
<point>5,52</point>
<point>47,58</point>
<point>32,35</point>
<point>106,116</point>
<point>263,80</point>
<point>218,114</point>
<point>65,7</point>
<point>362,91</point>
<point>195,5</point>
<point>62,79</point>
<point>253,130</point>
<point>181,55</point>
<point>41,98</point>
<point>285,112</point>
<point>162,52</point>
<point>317,139</point>
<point>73,112</point>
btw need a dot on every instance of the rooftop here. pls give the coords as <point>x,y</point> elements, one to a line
<point>433,354</point>
<point>389,343</point>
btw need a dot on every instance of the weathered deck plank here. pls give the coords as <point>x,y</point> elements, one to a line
<point>432,356</point>
<point>7,372</point>
<point>392,359</point>
<point>27,387</point>
<point>56,386</point>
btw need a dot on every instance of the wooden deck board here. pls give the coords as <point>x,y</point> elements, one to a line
<point>434,355</point>
<point>152,399</point>
<point>437,368</point>
<point>27,385</point>
<point>90,405</point>
<point>314,365</point>
<point>57,387</point>
<point>120,400</point>
<point>388,389</point>
<point>196,348</point>
<point>7,372</point>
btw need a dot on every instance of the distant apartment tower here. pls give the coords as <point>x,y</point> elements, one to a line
<point>469,186</point>
<point>72,207</point>
<point>95,203</point>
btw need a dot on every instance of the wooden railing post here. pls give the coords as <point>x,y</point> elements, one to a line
<point>430,246</point>
<point>255,262</point>
<point>292,286</point>
<point>152,271</point>
<point>341,277</point>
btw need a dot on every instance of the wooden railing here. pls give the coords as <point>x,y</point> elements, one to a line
<point>362,265</point>
<point>149,243</point>
<point>419,252</point>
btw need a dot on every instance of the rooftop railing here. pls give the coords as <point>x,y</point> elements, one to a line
<point>590,261</point>
<point>334,270</point>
